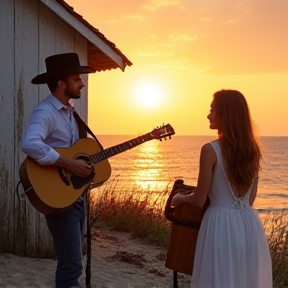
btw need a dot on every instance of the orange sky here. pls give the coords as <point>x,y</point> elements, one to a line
<point>182,52</point>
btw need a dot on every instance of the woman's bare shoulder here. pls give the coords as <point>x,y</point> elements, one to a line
<point>207,148</point>
<point>208,153</point>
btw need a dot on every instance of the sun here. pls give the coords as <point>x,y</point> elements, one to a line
<point>148,94</point>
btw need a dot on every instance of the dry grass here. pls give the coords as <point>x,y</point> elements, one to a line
<point>141,214</point>
<point>276,230</point>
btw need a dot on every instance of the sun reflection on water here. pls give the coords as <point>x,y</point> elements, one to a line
<point>148,166</point>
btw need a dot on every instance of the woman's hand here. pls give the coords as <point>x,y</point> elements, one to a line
<point>177,199</point>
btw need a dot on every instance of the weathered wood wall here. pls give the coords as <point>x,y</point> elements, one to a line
<point>29,33</point>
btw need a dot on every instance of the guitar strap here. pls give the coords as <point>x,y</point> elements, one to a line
<point>84,129</point>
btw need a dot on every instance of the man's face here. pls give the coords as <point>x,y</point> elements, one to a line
<point>73,87</point>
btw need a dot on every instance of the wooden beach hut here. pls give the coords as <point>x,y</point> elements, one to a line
<point>30,31</point>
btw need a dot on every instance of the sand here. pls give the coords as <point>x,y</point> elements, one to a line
<point>116,261</point>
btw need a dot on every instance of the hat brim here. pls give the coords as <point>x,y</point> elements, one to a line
<point>45,77</point>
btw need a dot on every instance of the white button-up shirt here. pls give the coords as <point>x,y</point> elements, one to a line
<point>52,125</point>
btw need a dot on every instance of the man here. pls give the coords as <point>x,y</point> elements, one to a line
<point>53,125</point>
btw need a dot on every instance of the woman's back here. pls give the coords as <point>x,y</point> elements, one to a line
<point>232,251</point>
<point>222,192</point>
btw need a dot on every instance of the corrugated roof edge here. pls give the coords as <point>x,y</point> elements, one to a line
<point>70,9</point>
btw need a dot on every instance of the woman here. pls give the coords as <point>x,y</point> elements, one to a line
<point>232,250</point>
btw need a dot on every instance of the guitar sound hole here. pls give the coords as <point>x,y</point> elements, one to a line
<point>77,181</point>
<point>87,160</point>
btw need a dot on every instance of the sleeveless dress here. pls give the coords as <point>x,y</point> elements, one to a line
<point>232,249</point>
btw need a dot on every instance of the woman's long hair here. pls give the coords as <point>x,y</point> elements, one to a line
<point>240,150</point>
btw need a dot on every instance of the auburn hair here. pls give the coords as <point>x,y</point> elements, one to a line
<point>240,150</point>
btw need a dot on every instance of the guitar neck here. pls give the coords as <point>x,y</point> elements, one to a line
<point>117,149</point>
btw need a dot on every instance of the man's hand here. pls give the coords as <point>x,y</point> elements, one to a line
<point>77,167</point>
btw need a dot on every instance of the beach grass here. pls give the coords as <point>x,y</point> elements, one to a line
<point>276,230</point>
<point>138,212</point>
<point>141,213</point>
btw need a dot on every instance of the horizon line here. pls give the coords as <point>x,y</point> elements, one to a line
<point>187,135</point>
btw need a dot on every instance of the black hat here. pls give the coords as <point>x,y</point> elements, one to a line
<point>67,63</point>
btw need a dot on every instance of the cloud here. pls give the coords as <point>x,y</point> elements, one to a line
<point>182,38</point>
<point>224,37</point>
<point>173,43</point>
<point>231,21</point>
<point>183,64</point>
<point>156,4</point>
<point>133,17</point>
<point>112,21</point>
<point>205,19</point>
<point>136,17</point>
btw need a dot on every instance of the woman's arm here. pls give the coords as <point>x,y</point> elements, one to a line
<point>208,160</point>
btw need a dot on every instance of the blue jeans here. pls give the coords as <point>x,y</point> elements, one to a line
<point>66,229</point>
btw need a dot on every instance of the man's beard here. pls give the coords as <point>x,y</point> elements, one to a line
<point>72,95</point>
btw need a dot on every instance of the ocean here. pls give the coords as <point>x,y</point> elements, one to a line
<point>154,166</point>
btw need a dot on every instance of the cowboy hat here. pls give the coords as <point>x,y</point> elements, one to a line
<point>67,63</point>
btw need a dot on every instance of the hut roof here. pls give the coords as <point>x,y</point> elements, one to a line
<point>102,53</point>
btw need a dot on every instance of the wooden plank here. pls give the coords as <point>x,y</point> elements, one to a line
<point>26,65</point>
<point>26,32</point>
<point>47,44</point>
<point>7,148</point>
<point>64,37</point>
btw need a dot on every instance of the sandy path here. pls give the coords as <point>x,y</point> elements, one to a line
<point>116,261</point>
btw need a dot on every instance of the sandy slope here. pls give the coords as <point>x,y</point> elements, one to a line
<point>116,261</point>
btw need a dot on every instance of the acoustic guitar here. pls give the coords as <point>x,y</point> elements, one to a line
<point>50,188</point>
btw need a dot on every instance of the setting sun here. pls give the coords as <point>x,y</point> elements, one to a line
<point>183,52</point>
<point>148,94</point>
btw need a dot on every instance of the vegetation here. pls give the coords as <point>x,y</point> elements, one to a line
<point>141,213</point>
<point>276,230</point>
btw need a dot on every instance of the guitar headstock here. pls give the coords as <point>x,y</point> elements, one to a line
<point>163,131</point>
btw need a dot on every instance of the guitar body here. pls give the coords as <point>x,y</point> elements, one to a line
<point>52,189</point>
<point>186,220</point>
<point>47,180</point>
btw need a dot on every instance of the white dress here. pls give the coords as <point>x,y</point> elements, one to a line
<point>232,249</point>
